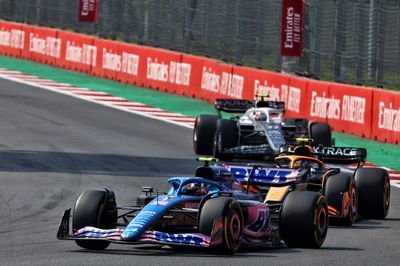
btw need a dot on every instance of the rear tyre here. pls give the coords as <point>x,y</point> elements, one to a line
<point>321,134</point>
<point>203,134</point>
<point>226,211</point>
<point>304,219</point>
<point>341,195</point>
<point>91,209</point>
<point>226,136</point>
<point>373,187</point>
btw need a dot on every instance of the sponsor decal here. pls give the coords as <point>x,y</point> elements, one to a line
<point>292,28</point>
<point>291,95</point>
<point>261,224</point>
<point>227,83</point>
<point>14,38</point>
<point>353,109</point>
<point>272,91</point>
<point>192,204</point>
<point>389,117</point>
<point>275,175</point>
<point>349,108</point>
<point>335,151</point>
<point>324,107</point>
<point>125,62</point>
<point>288,94</point>
<point>178,238</point>
<point>179,73</point>
<point>88,10</point>
<point>174,72</point>
<point>49,46</point>
<point>85,54</point>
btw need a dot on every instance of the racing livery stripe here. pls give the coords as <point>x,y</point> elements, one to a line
<point>124,105</point>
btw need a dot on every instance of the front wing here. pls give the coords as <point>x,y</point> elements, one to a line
<point>114,235</point>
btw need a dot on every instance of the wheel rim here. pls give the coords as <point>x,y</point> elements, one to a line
<point>353,204</point>
<point>233,231</point>
<point>322,224</point>
<point>386,197</point>
<point>234,227</point>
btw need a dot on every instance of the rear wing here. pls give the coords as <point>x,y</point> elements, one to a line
<point>233,106</point>
<point>263,176</point>
<point>241,106</point>
<point>338,155</point>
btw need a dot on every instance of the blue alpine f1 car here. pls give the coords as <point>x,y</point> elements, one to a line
<point>211,210</point>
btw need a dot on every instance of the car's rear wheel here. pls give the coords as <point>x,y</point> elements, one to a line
<point>341,194</point>
<point>93,209</point>
<point>226,136</point>
<point>226,212</point>
<point>203,134</point>
<point>373,187</point>
<point>304,219</point>
<point>321,134</point>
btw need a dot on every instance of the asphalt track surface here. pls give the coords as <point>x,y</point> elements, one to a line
<point>52,147</point>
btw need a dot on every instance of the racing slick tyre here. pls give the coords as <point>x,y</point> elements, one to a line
<point>93,209</point>
<point>203,134</point>
<point>226,136</point>
<point>342,197</point>
<point>227,213</point>
<point>304,219</point>
<point>321,134</point>
<point>373,188</point>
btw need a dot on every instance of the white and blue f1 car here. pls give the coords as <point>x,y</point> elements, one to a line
<point>210,210</point>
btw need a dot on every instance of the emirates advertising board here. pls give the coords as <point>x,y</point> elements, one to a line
<point>292,27</point>
<point>88,10</point>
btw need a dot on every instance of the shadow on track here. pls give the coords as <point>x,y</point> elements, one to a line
<point>189,252</point>
<point>99,164</point>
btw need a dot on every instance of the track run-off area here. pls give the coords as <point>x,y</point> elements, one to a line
<point>54,146</point>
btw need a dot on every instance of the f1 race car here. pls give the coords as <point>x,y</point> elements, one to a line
<point>260,131</point>
<point>351,195</point>
<point>210,211</point>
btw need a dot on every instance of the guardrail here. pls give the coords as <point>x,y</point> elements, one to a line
<point>366,112</point>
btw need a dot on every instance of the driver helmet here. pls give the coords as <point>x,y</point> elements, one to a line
<point>301,164</point>
<point>260,116</point>
<point>197,189</point>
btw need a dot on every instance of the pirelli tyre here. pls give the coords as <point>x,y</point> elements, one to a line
<point>93,208</point>
<point>303,219</point>
<point>321,133</point>
<point>203,134</point>
<point>373,188</point>
<point>226,136</point>
<point>227,211</point>
<point>341,193</point>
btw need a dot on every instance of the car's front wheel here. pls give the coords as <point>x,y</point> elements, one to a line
<point>226,212</point>
<point>93,209</point>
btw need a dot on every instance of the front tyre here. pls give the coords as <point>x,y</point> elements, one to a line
<point>304,219</point>
<point>373,187</point>
<point>226,211</point>
<point>93,208</point>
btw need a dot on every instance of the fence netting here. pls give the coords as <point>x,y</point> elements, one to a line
<point>349,41</point>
